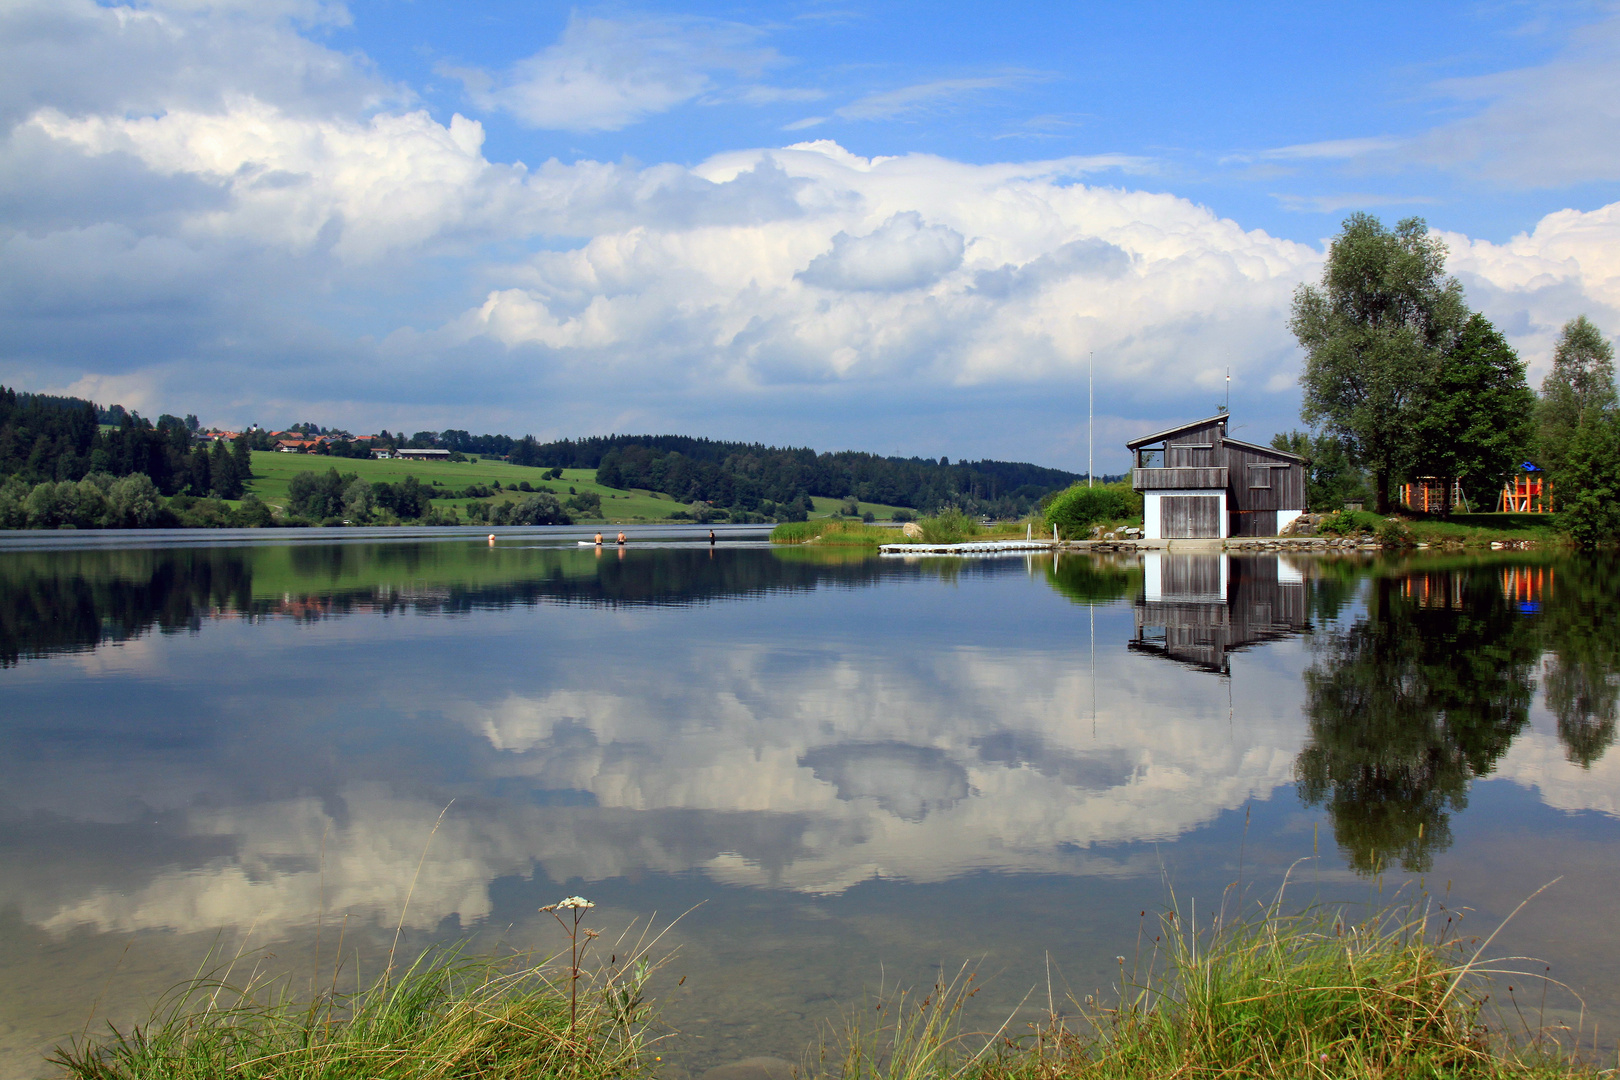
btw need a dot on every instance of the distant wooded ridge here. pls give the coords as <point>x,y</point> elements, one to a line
<point>49,438</point>
<point>736,473</point>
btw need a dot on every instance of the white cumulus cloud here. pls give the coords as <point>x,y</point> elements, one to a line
<point>604,74</point>
<point>902,253</point>
<point>312,239</point>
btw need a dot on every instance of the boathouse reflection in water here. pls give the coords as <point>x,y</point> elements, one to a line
<point>1197,608</point>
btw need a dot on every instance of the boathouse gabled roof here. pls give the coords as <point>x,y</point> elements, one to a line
<point>1265,449</point>
<point>1177,430</point>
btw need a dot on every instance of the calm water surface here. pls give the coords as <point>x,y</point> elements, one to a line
<point>857,768</point>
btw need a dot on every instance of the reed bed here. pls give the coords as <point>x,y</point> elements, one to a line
<point>950,526</point>
<point>833,532</point>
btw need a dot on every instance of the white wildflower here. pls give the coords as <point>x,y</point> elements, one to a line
<point>575,902</point>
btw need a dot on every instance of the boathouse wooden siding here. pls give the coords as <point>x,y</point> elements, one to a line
<point>1202,465</point>
<point>1196,446</point>
<point>1189,479</point>
<point>1262,482</point>
<point>1187,517</point>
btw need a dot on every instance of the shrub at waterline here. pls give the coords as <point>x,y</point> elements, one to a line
<point>949,526</point>
<point>833,532</point>
<point>1076,509</point>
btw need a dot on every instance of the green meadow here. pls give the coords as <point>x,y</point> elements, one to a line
<point>273,471</point>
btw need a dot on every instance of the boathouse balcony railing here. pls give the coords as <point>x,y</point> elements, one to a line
<point>1177,479</point>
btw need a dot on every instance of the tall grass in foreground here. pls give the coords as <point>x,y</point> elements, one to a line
<point>1308,995</point>
<point>1397,996</point>
<point>445,1017</point>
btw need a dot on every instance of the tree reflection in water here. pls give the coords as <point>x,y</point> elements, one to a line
<point>1427,690</point>
<point>1581,624</point>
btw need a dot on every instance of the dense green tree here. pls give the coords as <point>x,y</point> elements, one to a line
<point>1588,483</point>
<point>13,503</point>
<point>1581,381</point>
<point>318,495</point>
<point>136,501</point>
<point>225,477</point>
<point>1475,425</point>
<point>542,508</point>
<point>359,501</point>
<point>1373,336</point>
<point>588,504</point>
<point>1330,479</point>
<point>253,513</point>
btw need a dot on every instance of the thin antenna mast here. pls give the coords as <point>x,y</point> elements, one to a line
<point>1228,406</point>
<point>1089,366</point>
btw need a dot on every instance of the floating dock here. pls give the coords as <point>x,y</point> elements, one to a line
<point>983,547</point>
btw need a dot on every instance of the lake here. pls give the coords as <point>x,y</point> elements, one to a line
<point>838,770</point>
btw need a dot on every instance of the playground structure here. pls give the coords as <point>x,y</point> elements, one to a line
<point>1528,492</point>
<point>1428,494</point>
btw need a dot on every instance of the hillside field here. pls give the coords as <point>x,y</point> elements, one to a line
<point>273,471</point>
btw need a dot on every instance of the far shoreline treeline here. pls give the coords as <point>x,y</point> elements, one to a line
<point>68,462</point>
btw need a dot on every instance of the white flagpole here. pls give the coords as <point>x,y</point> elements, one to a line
<point>1089,399</point>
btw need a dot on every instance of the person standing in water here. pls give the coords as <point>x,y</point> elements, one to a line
<point>621,539</point>
<point>711,538</point>
<point>598,539</point>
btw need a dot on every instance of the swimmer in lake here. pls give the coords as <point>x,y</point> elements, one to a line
<point>598,539</point>
<point>711,538</point>
<point>621,539</point>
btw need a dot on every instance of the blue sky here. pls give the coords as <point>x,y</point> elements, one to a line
<point>903,227</point>
<point>1229,105</point>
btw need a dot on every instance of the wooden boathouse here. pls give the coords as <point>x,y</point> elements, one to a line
<point>1197,482</point>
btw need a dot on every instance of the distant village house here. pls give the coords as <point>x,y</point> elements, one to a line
<point>422,455</point>
<point>296,445</point>
<point>1197,482</point>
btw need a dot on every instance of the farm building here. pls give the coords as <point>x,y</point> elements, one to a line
<point>422,455</point>
<point>1199,483</point>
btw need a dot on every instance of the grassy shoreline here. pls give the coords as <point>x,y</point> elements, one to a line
<point>447,1015</point>
<point>946,528</point>
<point>1312,993</point>
<point>1308,994</point>
<point>1405,527</point>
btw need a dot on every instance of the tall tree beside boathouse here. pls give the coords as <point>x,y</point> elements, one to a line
<point>1374,334</point>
